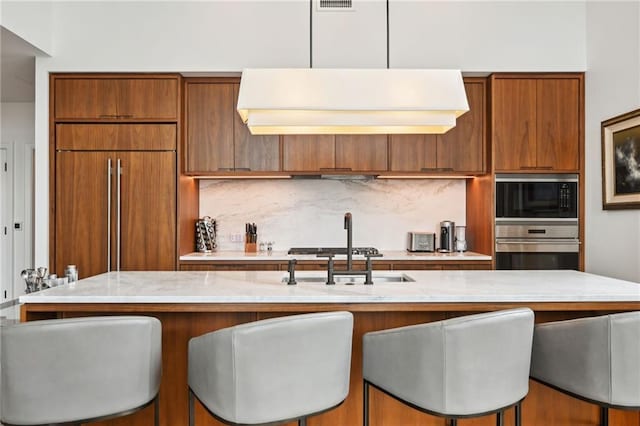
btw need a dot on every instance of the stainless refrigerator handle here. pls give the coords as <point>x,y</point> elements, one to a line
<point>118,189</point>
<point>109,215</point>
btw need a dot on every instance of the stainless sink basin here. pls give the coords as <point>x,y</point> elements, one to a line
<point>321,277</point>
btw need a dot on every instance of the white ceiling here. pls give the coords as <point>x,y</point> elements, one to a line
<point>17,68</point>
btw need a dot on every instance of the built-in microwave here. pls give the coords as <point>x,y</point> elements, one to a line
<point>529,196</point>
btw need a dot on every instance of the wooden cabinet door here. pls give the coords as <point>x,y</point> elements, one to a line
<point>85,98</point>
<point>111,137</point>
<point>514,123</point>
<point>361,152</point>
<point>210,117</point>
<point>412,153</point>
<point>308,152</point>
<point>148,98</point>
<point>253,152</point>
<point>148,210</point>
<point>558,112</point>
<point>82,212</point>
<point>462,149</point>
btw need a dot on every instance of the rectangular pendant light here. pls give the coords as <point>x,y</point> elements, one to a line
<point>350,101</point>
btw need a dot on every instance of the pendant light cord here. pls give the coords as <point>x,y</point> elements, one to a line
<point>310,33</point>
<point>387,34</point>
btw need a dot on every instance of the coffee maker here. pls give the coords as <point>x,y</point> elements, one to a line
<point>447,234</point>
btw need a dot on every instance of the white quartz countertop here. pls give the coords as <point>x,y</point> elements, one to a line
<point>267,287</point>
<point>283,256</point>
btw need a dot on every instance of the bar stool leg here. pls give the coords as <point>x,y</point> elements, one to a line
<point>302,421</point>
<point>453,422</point>
<point>156,411</point>
<point>518,410</point>
<point>604,416</point>
<point>365,405</point>
<point>500,418</point>
<point>191,408</point>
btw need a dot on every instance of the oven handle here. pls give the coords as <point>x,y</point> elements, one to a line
<point>537,246</point>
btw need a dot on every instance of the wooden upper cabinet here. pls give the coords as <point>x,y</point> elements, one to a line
<point>253,152</point>
<point>302,153</point>
<point>120,136</point>
<point>209,127</point>
<point>461,149</point>
<point>334,153</point>
<point>412,153</point>
<point>361,152</point>
<point>116,98</point>
<point>558,109</point>
<point>537,123</point>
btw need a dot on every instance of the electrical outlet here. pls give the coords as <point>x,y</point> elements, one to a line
<point>18,226</point>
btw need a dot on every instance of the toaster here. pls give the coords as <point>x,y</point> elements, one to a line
<point>421,241</point>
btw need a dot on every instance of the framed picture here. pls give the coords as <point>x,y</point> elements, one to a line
<point>621,161</point>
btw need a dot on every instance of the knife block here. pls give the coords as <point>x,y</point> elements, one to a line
<point>250,247</point>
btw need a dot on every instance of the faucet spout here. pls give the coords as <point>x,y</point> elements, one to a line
<point>348,225</point>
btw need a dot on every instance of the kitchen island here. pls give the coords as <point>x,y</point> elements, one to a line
<point>193,303</point>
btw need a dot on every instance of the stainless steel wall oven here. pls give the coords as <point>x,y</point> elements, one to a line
<point>537,222</point>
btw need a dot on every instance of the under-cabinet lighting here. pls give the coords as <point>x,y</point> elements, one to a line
<point>243,177</point>
<point>426,177</point>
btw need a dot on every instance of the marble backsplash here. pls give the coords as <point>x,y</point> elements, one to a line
<point>310,213</point>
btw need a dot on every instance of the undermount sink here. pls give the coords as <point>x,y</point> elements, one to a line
<point>321,277</point>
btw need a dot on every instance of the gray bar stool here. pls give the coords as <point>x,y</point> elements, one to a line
<point>457,368</point>
<point>73,371</point>
<point>593,359</point>
<point>272,371</point>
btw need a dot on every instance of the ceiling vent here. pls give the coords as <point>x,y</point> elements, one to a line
<point>335,5</point>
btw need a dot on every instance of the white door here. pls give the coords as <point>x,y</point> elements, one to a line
<point>6,252</point>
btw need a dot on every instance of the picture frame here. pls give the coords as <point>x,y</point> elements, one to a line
<point>621,161</point>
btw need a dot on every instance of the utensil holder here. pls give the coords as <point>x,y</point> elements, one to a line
<point>250,247</point>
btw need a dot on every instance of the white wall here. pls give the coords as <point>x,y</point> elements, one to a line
<point>17,131</point>
<point>230,35</point>
<point>484,36</point>
<point>30,20</point>
<point>612,88</point>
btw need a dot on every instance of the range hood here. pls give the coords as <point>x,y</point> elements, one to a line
<point>350,101</point>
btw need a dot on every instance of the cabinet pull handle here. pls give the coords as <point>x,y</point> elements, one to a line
<point>118,188</point>
<point>528,167</point>
<point>545,167</point>
<point>336,169</point>
<point>108,116</point>
<point>109,215</point>
<point>536,167</point>
<point>242,169</point>
<point>225,169</point>
<point>125,116</point>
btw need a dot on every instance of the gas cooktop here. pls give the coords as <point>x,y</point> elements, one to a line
<point>333,250</point>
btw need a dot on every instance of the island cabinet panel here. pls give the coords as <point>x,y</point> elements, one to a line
<point>536,123</point>
<point>125,98</point>
<point>104,219</point>
<point>181,322</point>
<point>461,149</point>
